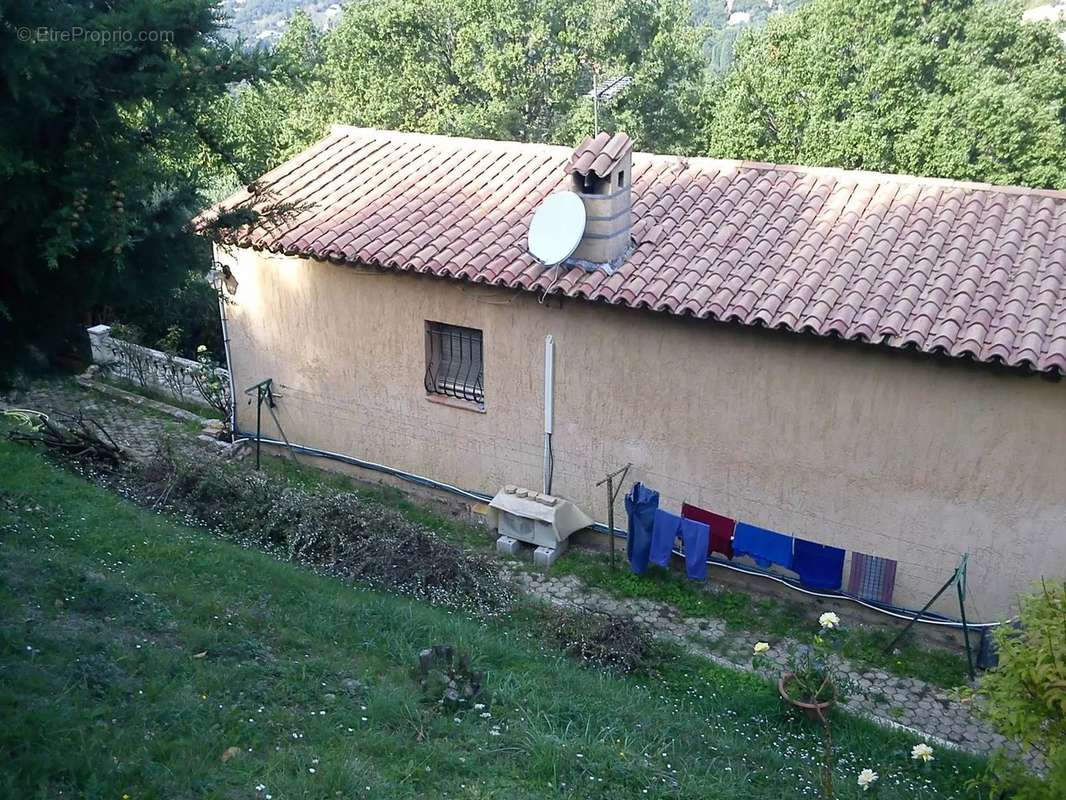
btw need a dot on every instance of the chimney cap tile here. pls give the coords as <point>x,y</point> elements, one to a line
<point>600,155</point>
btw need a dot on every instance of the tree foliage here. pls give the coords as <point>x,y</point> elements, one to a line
<point>953,88</point>
<point>1025,696</point>
<point>112,143</point>
<point>508,69</point>
<point>103,155</point>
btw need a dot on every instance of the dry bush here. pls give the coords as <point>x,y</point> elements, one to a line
<point>336,531</point>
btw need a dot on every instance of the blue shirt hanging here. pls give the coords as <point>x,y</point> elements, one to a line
<point>663,536</point>
<point>764,546</point>
<point>641,503</point>
<point>819,565</point>
<point>697,539</point>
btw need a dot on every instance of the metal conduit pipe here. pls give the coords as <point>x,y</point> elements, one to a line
<point>599,527</point>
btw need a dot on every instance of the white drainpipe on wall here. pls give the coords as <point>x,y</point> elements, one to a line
<point>225,342</point>
<point>549,396</point>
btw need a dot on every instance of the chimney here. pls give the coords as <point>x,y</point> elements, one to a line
<point>601,169</point>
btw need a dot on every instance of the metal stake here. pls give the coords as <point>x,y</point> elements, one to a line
<point>907,627</point>
<point>965,631</point>
<point>959,579</point>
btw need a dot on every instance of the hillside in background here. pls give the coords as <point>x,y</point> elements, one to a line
<point>727,19</point>
<point>262,22</point>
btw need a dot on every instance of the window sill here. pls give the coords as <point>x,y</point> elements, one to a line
<point>453,402</point>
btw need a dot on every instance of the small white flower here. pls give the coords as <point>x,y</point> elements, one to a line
<point>494,732</point>
<point>485,714</point>
<point>202,348</point>
<point>761,647</point>
<point>867,778</point>
<point>922,752</point>
<point>829,620</point>
<point>478,706</point>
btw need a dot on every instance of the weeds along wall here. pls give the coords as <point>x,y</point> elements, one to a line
<point>889,453</point>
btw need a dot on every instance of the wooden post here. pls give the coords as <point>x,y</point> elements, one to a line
<point>258,422</point>
<point>612,495</point>
<point>610,514</point>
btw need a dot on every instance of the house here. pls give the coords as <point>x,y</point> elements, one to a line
<point>869,361</point>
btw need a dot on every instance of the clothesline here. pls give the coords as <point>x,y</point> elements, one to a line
<point>930,618</point>
<point>820,567</point>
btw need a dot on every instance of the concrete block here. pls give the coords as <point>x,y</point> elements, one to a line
<point>508,546</point>
<point>545,556</point>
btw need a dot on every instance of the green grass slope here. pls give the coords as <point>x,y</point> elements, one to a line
<point>141,658</point>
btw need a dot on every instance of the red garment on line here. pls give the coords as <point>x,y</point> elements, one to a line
<point>721,528</point>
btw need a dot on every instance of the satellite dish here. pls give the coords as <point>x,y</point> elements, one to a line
<point>556,228</point>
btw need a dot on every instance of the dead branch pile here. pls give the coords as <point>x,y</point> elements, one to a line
<point>336,531</point>
<point>74,437</point>
<point>600,640</point>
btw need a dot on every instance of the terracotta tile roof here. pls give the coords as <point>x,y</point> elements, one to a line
<point>599,155</point>
<point>968,270</point>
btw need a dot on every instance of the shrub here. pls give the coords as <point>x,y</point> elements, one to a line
<point>600,640</point>
<point>1025,696</point>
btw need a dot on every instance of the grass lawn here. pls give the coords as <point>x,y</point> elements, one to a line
<point>143,658</point>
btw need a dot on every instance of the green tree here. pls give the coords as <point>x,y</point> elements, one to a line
<point>104,156</point>
<point>509,69</point>
<point>953,88</point>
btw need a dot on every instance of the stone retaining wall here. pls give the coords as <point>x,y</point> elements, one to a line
<point>174,376</point>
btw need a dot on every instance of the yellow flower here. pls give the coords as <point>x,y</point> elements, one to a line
<point>761,647</point>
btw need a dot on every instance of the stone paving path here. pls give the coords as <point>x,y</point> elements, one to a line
<point>137,428</point>
<point>926,711</point>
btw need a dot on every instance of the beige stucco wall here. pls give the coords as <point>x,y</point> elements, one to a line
<point>879,451</point>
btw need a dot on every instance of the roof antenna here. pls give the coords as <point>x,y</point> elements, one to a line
<point>595,104</point>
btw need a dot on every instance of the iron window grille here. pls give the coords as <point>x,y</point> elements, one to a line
<point>454,364</point>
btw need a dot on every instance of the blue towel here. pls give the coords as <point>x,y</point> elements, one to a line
<point>764,546</point>
<point>819,565</point>
<point>697,538</point>
<point>641,503</point>
<point>663,535</point>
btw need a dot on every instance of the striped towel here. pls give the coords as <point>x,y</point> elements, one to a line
<point>872,578</point>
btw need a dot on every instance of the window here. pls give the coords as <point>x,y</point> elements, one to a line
<point>621,179</point>
<point>454,365</point>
